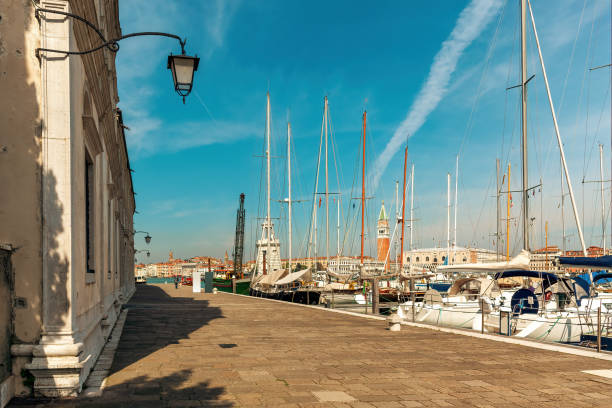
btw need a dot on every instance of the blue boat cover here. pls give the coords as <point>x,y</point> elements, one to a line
<point>604,262</point>
<point>548,279</point>
<point>606,277</point>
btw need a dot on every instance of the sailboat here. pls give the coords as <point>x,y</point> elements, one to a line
<point>268,268</point>
<point>536,305</point>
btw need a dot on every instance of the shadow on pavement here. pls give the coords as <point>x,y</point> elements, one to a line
<point>155,320</point>
<point>143,391</point>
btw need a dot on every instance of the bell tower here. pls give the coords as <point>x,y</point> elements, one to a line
<point>382,235</point>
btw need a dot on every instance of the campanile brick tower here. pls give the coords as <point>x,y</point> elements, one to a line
<point>382,235</point>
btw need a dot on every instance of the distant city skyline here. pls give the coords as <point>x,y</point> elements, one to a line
<point>438,71</point>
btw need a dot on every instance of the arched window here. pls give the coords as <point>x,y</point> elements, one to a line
<point>408,259</point>
<point>417,259</point>
<point>464,259</point>
<point>443,258</point>
<point>426,259</point>
<point>435,259</point>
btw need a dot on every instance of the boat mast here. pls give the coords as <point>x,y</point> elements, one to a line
<point>326,192</point>
<point>525,186</point>
<point>289,187</point>
<point>603,204</point>
<point>403,209</point>
<point>448,206</point>
<point>562,212</point>
<point>558,134</point>
<point>456,185</point>
<point>313,230</point>
<point>268,219</point>
<point>411,205</point>
<point>397,217</point>
<point>338,235</point>
<point>498,212</point>
<point>509,198</point>
<point>363,185</point>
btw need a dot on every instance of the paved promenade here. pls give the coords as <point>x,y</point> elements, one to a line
<point>184,350</point>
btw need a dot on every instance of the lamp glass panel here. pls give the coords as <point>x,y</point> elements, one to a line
<point>183,72</point>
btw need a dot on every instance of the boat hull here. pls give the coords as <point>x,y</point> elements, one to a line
<point>225,285</point>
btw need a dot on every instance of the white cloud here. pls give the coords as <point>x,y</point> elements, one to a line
<point>471,22</point>
<point>149,136</point>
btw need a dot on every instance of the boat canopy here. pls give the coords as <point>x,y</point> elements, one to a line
<point>485,287</point>
<point>270,278</point>
<point>581,287</point>
<point>519,262</point>
<point>602,276</point>
<point>292,277</point>
<point>548,279</point>
<point>340,286</point>
<point>598,262</point>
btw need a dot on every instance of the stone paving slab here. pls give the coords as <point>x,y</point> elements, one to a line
<point>180,349</point>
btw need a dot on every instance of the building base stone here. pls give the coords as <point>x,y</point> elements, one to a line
<point>7,390</point>
<point>57,376</point>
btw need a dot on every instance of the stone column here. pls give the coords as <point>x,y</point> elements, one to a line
<point>56,362</point>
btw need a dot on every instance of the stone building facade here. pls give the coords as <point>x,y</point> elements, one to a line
<point>431,258</point>
<point>67,203</point>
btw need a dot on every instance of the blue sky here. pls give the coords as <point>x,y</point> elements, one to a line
<point>436,70</point>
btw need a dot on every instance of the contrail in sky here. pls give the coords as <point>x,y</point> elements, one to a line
<point>472,20</point>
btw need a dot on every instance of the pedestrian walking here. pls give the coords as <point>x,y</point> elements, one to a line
<point>176,282</point>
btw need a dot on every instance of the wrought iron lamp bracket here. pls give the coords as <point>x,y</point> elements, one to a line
<point>112,44</point>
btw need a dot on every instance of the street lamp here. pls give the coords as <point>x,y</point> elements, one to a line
<point>147,237</point>
<point>183,66</point>
<point>143,250</point>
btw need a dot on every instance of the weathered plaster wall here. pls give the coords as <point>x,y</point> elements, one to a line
<point>20,160</point>
<point>20,171</point>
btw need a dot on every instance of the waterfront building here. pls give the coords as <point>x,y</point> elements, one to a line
<point>431,258</point>
<point>349,265</point>
<point>66,211</point>
<point>544,259</point>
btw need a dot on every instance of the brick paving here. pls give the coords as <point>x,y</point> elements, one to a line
<point>180,349</point>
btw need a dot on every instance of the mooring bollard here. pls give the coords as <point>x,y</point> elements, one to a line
<point>394,322</point>
<point>482,316</point>
<point>375,298</point>
<point>307,296</point>
<point>413,299</point>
